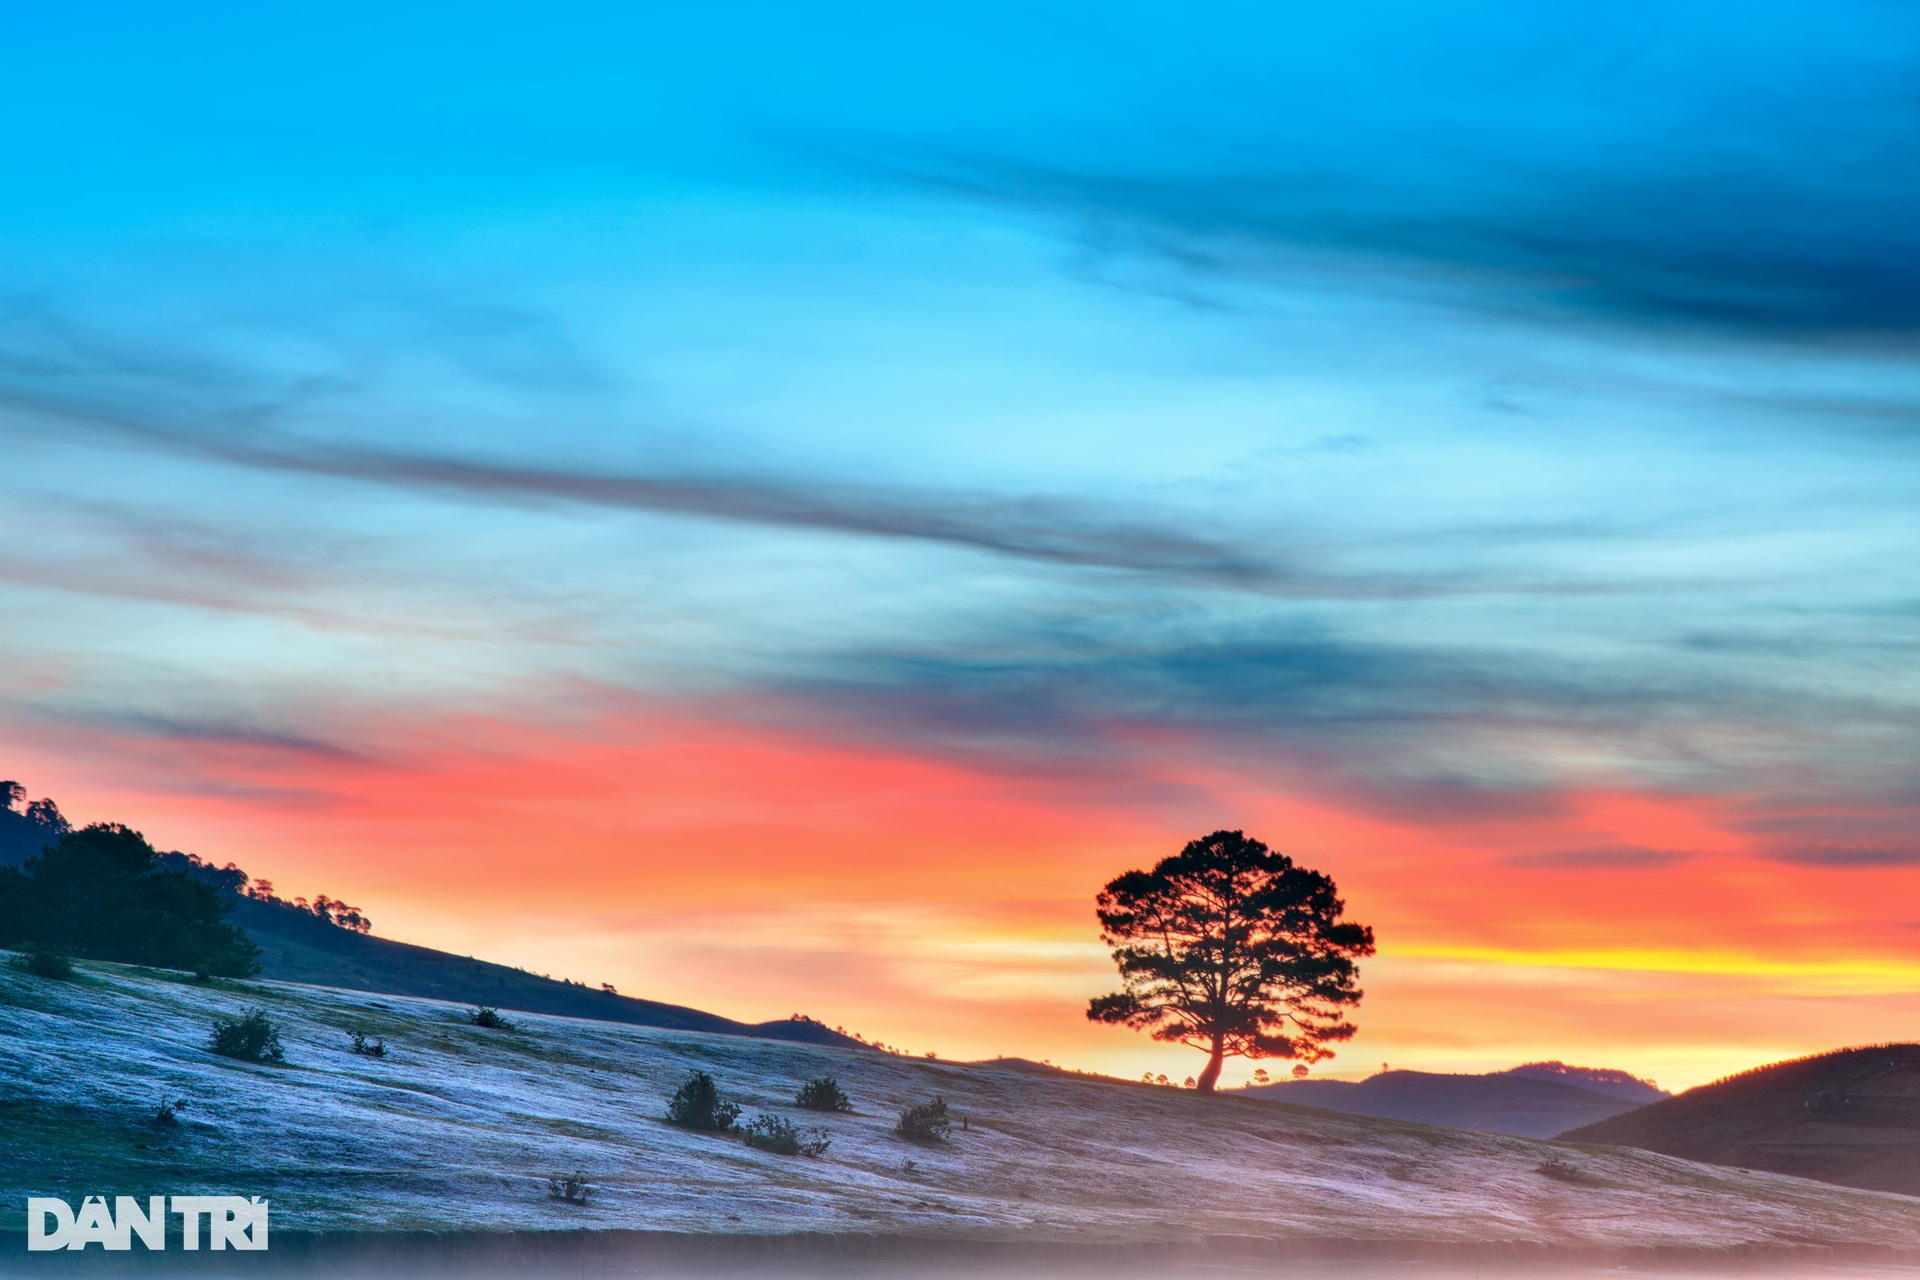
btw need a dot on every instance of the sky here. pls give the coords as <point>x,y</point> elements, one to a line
<point>772,507</point>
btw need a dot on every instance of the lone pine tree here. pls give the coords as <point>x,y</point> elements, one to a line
<point>1228,946</point>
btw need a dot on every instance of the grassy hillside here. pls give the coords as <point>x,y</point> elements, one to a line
<point>1505,1103</point>
<point>460,1126</point>
<point>1851,1117</point>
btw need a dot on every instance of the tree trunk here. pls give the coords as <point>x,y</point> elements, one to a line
<point>1211,1075</point>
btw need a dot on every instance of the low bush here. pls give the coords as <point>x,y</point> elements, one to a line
<point>823,1094</point>
<point>490,1019</point>
<point>251,1039</point>
<point>368,1048</point>
<point>697,1104</point>
<point>782,1137</point>
<point>570,1187</point>
<point>1563,1170</point>
<point>44,962</point>
<point>927,1122</point>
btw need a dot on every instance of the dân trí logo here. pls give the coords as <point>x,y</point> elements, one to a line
<point>233,1222</point>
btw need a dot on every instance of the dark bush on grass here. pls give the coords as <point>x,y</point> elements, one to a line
<point>368,1048</point>
<point>251,1039</point>
<point>927,1122</point>
<point>697,1104</point>
<point>823,1094</point>
<point>780,1136</point>
<point>490,1019</point>
<point>1562,1170</point>
<point>570,1187</point>
<point>44,962</point>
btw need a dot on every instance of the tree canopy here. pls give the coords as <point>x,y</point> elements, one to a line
<point>99,892</point>
<point>1228,946</point>
<point>26,829</point>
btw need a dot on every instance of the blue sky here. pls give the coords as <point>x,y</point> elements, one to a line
<point>1578,330</point>
<point>1457,407</point>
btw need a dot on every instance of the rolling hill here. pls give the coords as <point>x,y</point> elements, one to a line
<point>1850,1117</point>
<point>459,1127</point>
<point>1534,1101</point>
<point>298,947</point>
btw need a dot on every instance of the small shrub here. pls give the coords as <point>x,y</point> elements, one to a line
<point>570,1187</point>
<point>927,1122</point>
<point>490,1019</point>
<point>1561,1170</point>
<point>780,1136</point>
<point>44,962</point>
<point>823,1094</point>
<point>251,1039</point>
<point>697,1104</point>
<point>374,1048</point>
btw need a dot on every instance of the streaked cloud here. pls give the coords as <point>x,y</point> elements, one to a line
<point>1601,858</point>
<point>1841,858</point>
<point>57,378</point>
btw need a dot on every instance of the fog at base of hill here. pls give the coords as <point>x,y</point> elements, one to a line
<point>578,1255</point>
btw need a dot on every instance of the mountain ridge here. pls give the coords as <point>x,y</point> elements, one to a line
<point>1608,1080</point>
<point>1510,1102</point>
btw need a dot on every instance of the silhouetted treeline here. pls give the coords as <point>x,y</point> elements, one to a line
<point>104,893</point>
<point>100,892</point>
<point>232,882</point>
<point>27,828</point>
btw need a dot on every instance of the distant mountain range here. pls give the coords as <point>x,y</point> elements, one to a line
<point>1537,1100</point>
<point>1851,1117</point>
<point>1615,1084</point>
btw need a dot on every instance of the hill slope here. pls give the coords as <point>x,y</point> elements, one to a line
<point>1522,1105</point>
<point>297,947</point>
<point>1850,1117</point>
<point>459,1127</point>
